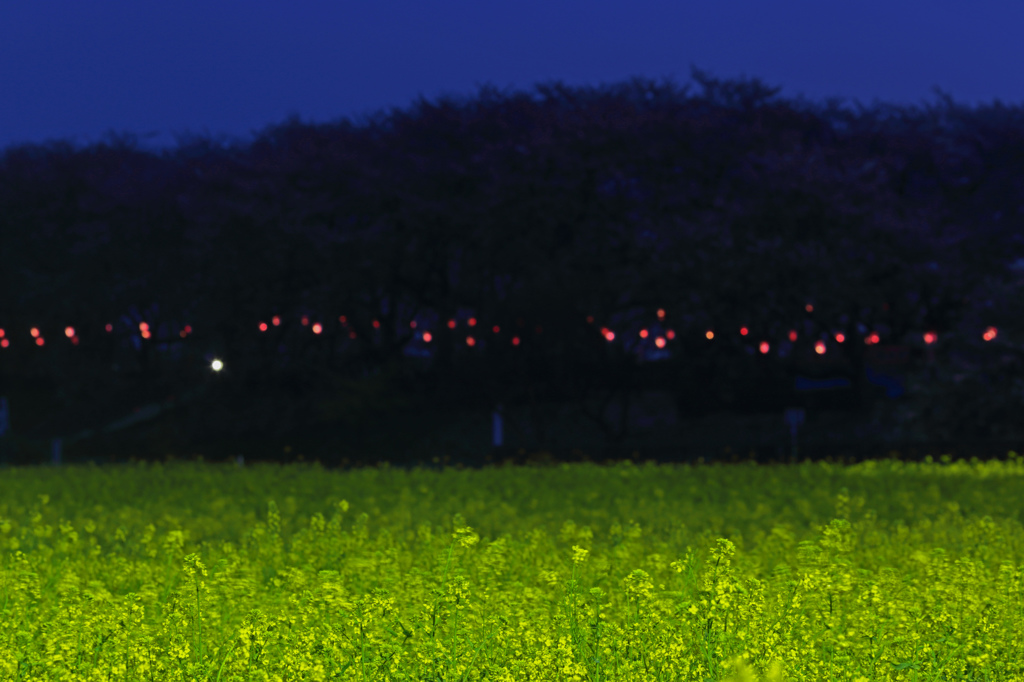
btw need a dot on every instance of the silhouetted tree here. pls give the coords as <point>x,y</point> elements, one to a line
<point>547,218</point>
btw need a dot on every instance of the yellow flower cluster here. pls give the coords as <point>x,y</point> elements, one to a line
<point>579,573</point>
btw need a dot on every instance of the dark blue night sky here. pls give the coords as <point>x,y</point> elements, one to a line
<point>76,70</point>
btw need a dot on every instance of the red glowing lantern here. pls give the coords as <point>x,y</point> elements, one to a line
<point>451,324</point>
<point>930,337</point>
<point>427,336</point>
<point>317,328</point>
<point>764,347</point>
<point>109,327</point>
<point>69,332</point>
<point>609,335</point>
<point>819,347</point>
<point>39,341</point>
<point>792,335</point>
<point>710,334</point>
<point>1,333</point>
<point>643,333</point>
<point>412,324</point>
<point>989,334</point>
<point>188,329</point>
<point>809,308</point>
<point>659,342</point>
<point>472,322</point>
<point>376,324</point>
<point>343,319</point>
<point>34,332</point>
<point>470,341</point>
<point>143,327</point>
<point>4,343</point>
<point>496,329</point>
<point>871,339</point>
<point>263,326</point>
<point>744,331</point>
<point>670,334</point>
<point>661,313</point>
<point>74,340</point>
<point>276,321</point>
<point>146,334</point>
<point>305,320</point>
<point>840,337</point>
<point>515,340</point>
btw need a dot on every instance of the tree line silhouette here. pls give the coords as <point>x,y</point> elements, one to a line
<point>547,217</point>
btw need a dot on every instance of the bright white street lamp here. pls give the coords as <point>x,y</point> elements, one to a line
<point>217,365</point>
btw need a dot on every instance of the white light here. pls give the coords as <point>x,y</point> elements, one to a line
<point>217,365</point>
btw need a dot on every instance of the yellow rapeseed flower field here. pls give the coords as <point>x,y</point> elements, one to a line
<point>817,572</point>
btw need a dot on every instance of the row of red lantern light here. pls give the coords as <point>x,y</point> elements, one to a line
<point>317,328</point>
<point>820,347</point>
<point>70,333</point>
<point>426,336</point>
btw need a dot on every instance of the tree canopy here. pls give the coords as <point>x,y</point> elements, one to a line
<point>636,209</point>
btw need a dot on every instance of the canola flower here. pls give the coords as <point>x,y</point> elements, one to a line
<point>879,571</point>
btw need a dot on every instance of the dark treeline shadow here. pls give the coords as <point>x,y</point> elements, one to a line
<point>520,232</point>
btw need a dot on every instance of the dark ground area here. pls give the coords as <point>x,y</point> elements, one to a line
<point>426,435</point>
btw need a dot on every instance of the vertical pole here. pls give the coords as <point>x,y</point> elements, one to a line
<point>496,428</point>
<point>794,416</point>
<point>5,417</point>
<point>5,427</point>
<point>55,447</point>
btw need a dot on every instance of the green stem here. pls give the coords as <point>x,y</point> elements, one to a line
<point>455,629</point>
<point>199,611</point>
<point>362,650</point>
<point>221,668</point>
<point>433,629</point>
